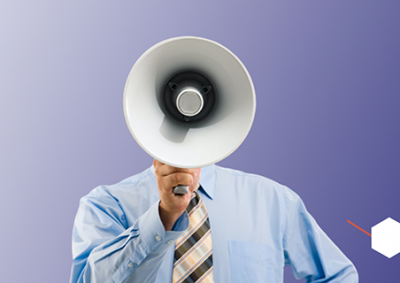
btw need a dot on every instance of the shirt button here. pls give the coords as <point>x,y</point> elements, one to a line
<point>130,265</point>
<point>158,238</point>
<point>170,242</point>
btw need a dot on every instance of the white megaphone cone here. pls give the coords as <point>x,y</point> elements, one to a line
<point>189,102</point>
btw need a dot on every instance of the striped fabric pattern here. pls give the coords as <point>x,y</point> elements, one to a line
<point>193,250</point>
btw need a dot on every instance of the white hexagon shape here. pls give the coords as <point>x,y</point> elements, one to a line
<point>386,237</point>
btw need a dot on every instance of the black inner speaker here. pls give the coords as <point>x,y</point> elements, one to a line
<point>182,80</point>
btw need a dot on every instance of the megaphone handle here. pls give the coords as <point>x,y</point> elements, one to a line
<point>181,190</point>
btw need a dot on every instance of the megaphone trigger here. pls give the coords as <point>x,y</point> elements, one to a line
<point>181,190</point>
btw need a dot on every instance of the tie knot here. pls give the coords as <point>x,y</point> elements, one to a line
<point>194,201</point>
<point>195,195</point>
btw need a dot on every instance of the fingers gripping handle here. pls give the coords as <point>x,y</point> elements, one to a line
<point>181,190</point>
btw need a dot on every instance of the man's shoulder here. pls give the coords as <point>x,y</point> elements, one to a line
<point>137,183</point>
<point>256,181</point>
<point>251,177</point>
<point>137,178</point>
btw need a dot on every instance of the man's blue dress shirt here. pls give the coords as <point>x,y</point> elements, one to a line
<point>257,227</point>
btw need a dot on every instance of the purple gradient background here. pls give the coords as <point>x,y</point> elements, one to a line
<point>327,77</point>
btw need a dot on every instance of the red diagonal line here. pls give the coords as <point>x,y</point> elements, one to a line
<point>359,228</point>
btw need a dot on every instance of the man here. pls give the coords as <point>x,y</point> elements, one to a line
<point>231,227</point>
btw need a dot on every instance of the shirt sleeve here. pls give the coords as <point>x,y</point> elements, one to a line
<point>309,251</point>
<point>105,251</point>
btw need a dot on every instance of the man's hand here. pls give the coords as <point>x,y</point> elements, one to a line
<point>172,206</point>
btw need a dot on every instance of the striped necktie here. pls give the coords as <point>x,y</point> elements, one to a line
<point>193,250</point>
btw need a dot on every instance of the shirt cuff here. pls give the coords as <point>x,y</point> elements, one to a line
<point>152,231</point>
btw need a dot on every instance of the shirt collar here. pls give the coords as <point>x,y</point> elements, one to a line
<point>207,180</point>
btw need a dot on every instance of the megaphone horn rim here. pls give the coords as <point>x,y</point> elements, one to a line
<point>250,112</point>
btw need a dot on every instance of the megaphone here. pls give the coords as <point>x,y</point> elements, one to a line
<point>189,102</point>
